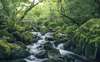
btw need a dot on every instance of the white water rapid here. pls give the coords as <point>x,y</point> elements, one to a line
<point>36,49</point>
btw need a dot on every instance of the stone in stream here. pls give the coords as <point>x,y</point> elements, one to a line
<point>49,36</point>
<point>53,54</point>
<point>41,55</point>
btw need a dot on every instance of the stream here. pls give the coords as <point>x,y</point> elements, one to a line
<point>38,53</point>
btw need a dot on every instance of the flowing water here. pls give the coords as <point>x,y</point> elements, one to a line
<point>36,49</point>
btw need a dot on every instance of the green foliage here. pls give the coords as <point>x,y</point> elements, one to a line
<point>90,30</point>
<point>13,33</point>
<point>68,19</point>
<point>10,25</point>
<point>79,10</point>
<point>86,38</point>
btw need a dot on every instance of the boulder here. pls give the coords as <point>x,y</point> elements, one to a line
<point>11,51</point>
<point>41,55</point>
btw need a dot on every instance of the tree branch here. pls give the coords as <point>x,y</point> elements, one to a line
<point>27,10</point>
<point>69,18</point>
<point>62,12</point>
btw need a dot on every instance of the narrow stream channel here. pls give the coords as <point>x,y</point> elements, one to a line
<point>38,52</point>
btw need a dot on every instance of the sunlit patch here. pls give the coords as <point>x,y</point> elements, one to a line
<point>34,1</point>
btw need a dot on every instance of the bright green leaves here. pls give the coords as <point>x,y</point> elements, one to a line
<point>90,30</point>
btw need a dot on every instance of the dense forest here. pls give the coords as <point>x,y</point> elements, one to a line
<point>49,30</point>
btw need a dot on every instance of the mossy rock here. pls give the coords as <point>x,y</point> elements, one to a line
<point>4,34</point>
<point>23,26</point>
<point>25,37</point>
<point>11,51</point>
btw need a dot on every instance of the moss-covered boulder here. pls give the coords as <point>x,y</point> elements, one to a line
<point>25,37</point>
<point>11,51</point>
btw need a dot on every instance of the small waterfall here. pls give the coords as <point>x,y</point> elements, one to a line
<point>37,48</point>
<point>38,52</point>
<point>63,52</point>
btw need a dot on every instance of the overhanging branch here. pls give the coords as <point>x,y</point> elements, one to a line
<point>68,18</point>
<point>27,10</point>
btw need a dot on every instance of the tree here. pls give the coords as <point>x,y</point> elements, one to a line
<point>79,11</point>
<point>14,33</point>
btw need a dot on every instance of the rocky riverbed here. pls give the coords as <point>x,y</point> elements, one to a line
<point>45,50</point>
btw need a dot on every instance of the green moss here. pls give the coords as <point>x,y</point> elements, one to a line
<point>7,47</point>
<point>23,26</point>
<point>4,47</point>
<point>25,37</point>
<point>12,51</point>
<point>6,35</point>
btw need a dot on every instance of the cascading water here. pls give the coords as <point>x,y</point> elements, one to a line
<point>38,53</point>
<point>36,49</point>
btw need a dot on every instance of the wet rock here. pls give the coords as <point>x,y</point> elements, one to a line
<point>18,60</point>
<point>41,55</point>
<point>48,46</point>
<point>45,61</point>
<point>49,38</point>
<point>11,51</point>
<point>19,53</point>
<point>25,37</point>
